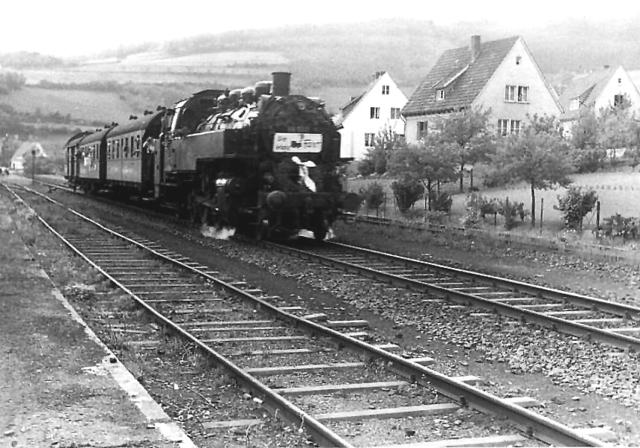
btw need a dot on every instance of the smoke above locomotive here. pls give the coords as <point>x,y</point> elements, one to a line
<point>257,159</point>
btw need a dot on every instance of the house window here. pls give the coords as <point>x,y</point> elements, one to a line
<point>440,95</point>
<point>385,90</point>
<point>574,104</point>
<point>519,94</point>
<point>369,139</point>
<point>618,100</point>
<point>374,113</point>
<point>395,113</point>
<point>422,129</point>
<point>518,59</point>
<point>503,127</point>
<point>515,126</point>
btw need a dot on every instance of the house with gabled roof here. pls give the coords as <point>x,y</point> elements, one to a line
<point>597,90</point>
<point>364,116</point>
<point>26,149</point>
<point>501,76</point>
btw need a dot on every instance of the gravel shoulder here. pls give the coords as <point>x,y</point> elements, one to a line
<point>55,388</point>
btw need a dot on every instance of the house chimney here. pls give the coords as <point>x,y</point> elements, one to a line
<point>606,66</point>
<point>475,47</point>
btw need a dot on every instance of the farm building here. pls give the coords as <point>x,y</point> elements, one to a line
<point>499,75</point>
<point>364,116</point>
<point>25,150</point>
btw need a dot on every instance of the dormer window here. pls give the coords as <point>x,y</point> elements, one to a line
<point>574,104</point>
<point>440,94</point>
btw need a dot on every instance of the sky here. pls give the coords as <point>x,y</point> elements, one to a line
<point>81,27</point>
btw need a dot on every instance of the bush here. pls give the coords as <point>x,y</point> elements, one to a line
<point>488,207</point>
<point>406,193</point>
<point>511,211</point>
<point>373,196</point>
<point>472,207</point>
<point>590,160</point>
<point>619,226</point>
<point>366,167</point>
<point>441,202</point>
<point>575,205</point>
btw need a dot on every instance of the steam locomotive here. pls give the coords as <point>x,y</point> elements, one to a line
<point>257,159</point>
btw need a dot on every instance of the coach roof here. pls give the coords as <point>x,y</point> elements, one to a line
<point>140,124</point>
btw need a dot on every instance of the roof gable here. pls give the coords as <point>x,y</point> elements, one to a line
<point>26,148</point>
<point>380,79</point>
<point>585,89</point>
<point>462,85</point>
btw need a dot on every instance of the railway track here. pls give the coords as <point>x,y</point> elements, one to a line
<point>287,361</point>
<point>586,317</point>
<point>578,315</point>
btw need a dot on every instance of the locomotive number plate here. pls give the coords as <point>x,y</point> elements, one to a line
<point>290,142</point>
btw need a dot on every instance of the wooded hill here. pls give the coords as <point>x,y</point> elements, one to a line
<point>332,61</point>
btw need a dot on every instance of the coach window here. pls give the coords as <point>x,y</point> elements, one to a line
<point>117,149</point>
<point>136,153</point>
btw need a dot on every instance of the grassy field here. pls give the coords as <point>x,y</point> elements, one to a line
<point>618,192</point>
<point>79,104</point>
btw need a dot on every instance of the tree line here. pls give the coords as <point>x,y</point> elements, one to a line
<point>541,154</point>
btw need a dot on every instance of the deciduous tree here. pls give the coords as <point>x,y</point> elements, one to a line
<point>537,155</point>
<point>466,136</point>
<point>424,162</point>
<point>376,158</point>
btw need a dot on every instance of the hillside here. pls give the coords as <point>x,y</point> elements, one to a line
<point>99,106</point>
<point>333,61</point>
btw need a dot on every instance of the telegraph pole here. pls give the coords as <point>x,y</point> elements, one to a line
<point>33,165</point>
<point>3,148</point>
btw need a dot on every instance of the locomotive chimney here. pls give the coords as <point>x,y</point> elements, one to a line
<point>475,47</point>
<point>281,83</point>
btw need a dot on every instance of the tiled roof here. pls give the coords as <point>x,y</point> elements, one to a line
<point>467,86</point>
<point>348,108</point>
<point>587,89</point>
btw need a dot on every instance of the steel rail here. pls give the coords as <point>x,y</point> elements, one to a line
<point>518,286</point>
<point>274,403</point>
<point>531,423</point>
<point>524,315</point>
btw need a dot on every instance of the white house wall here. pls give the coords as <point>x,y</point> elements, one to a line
<point>359,122</point>
<point>619,84</point>
<point>540,100</point>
